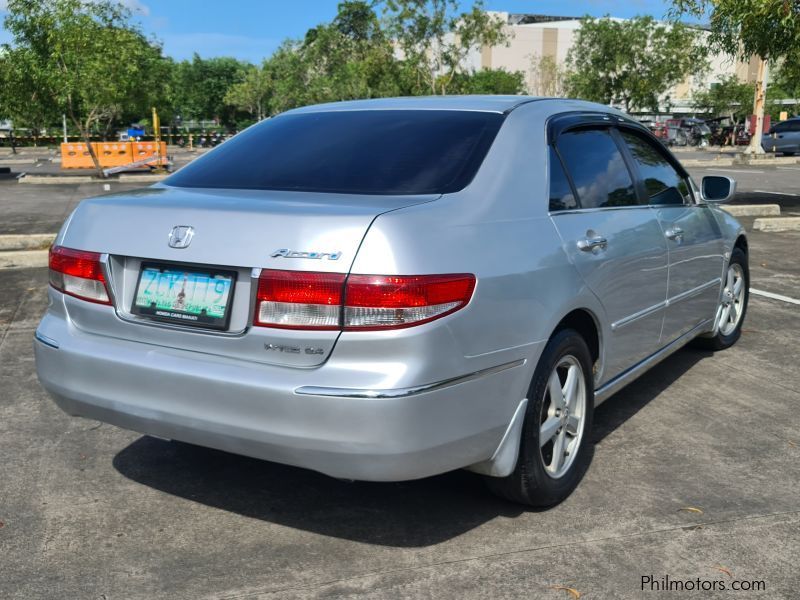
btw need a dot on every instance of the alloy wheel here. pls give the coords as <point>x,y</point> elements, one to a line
<point>562,419</point>
<point>733,298</point>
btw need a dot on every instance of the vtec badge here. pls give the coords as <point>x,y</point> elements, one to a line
<point>286,253</point>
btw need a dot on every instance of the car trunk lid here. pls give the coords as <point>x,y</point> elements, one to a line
<point>236,231</point>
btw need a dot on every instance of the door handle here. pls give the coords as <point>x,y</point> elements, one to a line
<point>592,244</point>
<point>674,233</point>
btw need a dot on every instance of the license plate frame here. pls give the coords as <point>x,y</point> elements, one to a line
<point>185,318</point>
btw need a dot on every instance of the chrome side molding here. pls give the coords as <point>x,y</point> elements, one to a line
<point>604,392</point>
<point>313,390</point>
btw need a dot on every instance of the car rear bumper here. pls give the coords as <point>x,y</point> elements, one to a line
<point>255,409</point>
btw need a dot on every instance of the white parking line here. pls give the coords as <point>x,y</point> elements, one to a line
<point>774,296</point>
<point>775,193</point>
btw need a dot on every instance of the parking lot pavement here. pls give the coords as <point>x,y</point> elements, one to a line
<point>42,209</point>
<point>92,511</point>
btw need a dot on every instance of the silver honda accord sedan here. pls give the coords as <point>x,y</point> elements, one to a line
<point>390,289</point>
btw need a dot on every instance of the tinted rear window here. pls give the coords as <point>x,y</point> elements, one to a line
<point>355,152</point>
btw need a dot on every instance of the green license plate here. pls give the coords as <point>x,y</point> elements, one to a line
<point>188,296</point>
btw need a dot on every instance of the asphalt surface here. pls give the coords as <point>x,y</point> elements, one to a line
<point>694,475</point>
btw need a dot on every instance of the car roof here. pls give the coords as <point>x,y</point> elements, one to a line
<point>495,104</point>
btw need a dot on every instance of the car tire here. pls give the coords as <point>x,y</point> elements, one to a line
<point>728,331</point>
<point>537,480</point>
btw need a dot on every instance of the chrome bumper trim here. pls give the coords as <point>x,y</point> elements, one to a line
<point>45,340</point>
<point>312,390</point>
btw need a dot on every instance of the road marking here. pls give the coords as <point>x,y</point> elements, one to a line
<point>774,296</point>
<point>730,170</point>
<point>789,168</point>
<point>775,193</point>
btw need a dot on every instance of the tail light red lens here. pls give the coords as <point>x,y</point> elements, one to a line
<point>78,273</point>
<point>392,301</point>
<point>299,300</point>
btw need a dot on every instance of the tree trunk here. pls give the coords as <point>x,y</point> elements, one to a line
<point>758,109</point>
<point>87,139</point>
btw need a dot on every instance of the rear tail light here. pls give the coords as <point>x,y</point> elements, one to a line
<point>78,273</point>
<point>300,300</point>
<point>381,301</point>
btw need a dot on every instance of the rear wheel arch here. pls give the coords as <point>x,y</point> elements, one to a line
<point>586,324</point>
<point>741,242</point>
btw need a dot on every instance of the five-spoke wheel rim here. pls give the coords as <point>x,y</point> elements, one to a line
<point>733,299</point>
<point>561,423</point>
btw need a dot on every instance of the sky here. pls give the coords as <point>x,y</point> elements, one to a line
<point>252,29</point>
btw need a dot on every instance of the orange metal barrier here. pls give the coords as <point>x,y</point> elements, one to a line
<point>75,155</point>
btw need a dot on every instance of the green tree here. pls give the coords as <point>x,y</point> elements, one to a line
<point>488,81</point>
<point>253,93</point>
<point>85,59</point>
<point>729,98</point>
<point>633,62</point>
<point>199,87</point>
<point>769,29</point>
<point>547,77</point>
<point>22,102</point>
<point>349,58</point>
<point>784,84</point>
<point>435,39</point>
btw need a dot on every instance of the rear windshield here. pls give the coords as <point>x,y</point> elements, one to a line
<point>355,152</point>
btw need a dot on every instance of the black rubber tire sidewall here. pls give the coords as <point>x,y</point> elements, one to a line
<point>529,483</point>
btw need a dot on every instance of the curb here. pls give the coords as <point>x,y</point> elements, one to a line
<point>66,179</point>
<point>20,241</point>
<point>23,259</point>
<point>765,161</point>
<point>142,178</point>
<point>700,162</point>
<point>777,224</point>
<point>752,210</point>
<point>58,180</point>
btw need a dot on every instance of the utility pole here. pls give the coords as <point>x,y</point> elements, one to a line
<point>758,108</point>
<point>64,125</point>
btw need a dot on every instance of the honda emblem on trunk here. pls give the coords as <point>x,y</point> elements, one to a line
<point>181,236</point>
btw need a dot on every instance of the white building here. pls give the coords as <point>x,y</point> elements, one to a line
<point>538,47</point>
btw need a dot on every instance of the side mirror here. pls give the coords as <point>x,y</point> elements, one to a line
<point>717,189</point>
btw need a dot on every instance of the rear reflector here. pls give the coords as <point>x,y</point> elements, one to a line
<point>78,273</point>
<point>300,300</point>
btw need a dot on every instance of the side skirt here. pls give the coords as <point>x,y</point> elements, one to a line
<point>604,392</point>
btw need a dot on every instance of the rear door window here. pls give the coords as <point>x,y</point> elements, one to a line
<point>598,170</point>
<point>663,184</point>
<point>352,152</point>
<point>561,196</point>
<point>780,127</point>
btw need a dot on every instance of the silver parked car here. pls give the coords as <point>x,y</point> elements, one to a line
<point>783,137</point>
<point>391,289</point>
